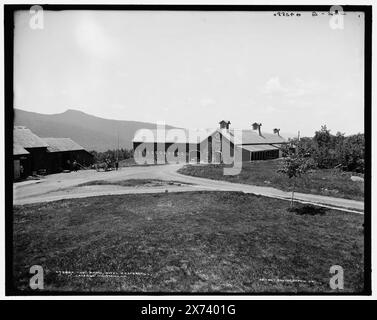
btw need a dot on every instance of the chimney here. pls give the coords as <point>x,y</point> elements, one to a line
<point>224,124</point>
<point>277,131</point>
<point>256,126</point>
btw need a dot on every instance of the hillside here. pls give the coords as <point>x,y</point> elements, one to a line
<point>92,132</point>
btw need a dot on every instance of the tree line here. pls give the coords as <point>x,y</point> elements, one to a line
<point>112,155</point>
<point>326,150</point>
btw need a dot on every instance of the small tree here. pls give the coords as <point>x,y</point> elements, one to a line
<point>294,166</point>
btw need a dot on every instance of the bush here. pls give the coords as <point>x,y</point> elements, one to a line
<point>329,151</point>
<point>121,154</point>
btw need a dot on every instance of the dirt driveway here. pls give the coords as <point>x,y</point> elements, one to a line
<point>66,185</point>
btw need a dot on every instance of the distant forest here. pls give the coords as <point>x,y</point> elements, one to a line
<point>112,155</point>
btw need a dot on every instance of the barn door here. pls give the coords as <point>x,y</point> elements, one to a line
<point>17,171</point>
<point>218,157</point>
<point>194,156</point>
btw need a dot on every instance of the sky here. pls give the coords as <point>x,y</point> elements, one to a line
<point>193,69</point>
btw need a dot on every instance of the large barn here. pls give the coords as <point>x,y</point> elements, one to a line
<point>208,145</point>
<point>32,154</point>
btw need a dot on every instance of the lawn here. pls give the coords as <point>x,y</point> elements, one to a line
<point>328,182</point>
<point>134,183</point>
<point>185,242</point>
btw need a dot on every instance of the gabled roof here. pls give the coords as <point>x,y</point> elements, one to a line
<point>61,144</point>
<point>173,136</point>
<point>198,135</point>
<point>19,150</point>
<point>258,147</point>
<point>25,138</point>
<point>253,137</point>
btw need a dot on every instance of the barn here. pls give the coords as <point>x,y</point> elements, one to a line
<point>35,155</point>
<point>21,162</point>
<point>62,152</point>
<point>29,152</point>
<point>207,145</point>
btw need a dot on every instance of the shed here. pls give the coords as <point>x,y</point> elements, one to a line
<point>62,152</point>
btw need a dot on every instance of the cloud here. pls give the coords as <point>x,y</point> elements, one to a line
<point>271,109</point>
<point>92,38</point>
<point>296,88</point>
<point>207,102</point>
<point>273,85</point>
<point>302,88</point>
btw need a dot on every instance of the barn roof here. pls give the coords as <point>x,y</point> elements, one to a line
<point>173,136</point>
<point>253,137</point>
<point>19,150</point>
<point>26,139</point>
<point>198,135</point>
<point>259,147</point>
<point>61,144</point>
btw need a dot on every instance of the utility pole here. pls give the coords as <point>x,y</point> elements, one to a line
<point>118,145</point>
<point>298,140</point>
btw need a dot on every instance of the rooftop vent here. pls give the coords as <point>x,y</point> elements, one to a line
<point>257,126</point>
<point>224,124</point>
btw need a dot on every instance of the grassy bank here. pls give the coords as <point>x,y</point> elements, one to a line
<point>185,242</point>
<point>328,182</point>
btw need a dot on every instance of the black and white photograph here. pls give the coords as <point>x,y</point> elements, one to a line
<point>195,150</point>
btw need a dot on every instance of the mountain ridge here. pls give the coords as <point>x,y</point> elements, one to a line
<point>91,132</point>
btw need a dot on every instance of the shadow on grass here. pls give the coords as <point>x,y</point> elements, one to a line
<point>308,210</point>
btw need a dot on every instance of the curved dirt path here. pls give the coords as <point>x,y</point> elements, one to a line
<point>65,185</point>
<point>326,201</point>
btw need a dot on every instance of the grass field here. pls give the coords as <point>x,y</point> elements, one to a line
<point>328,182</point>
<point>185,242</point>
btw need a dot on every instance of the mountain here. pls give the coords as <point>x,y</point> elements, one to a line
<point>92,132</point>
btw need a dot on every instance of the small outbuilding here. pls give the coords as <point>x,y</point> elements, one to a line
<point>62,153</point>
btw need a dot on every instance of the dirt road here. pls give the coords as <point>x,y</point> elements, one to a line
<point>65,185</point>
